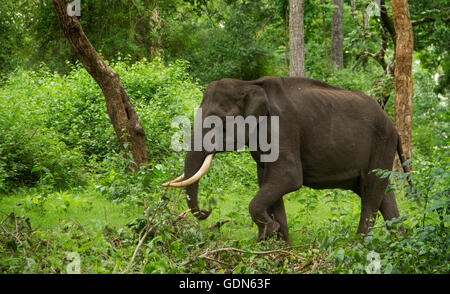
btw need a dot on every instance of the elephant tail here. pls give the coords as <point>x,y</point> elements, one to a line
<point>402,157</point>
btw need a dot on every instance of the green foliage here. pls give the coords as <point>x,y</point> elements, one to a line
<point>424,246</point>
<point>55,225</point>
<point>67,185</point>
<point>112,27</point>
<point>9,42</point>
<point>53,126</point>
<point>160,93</point>
<point>240,47</point>
<point>31,151</point>
<point>14,34</point>
<point>431,37</point>
<point>431,117</point>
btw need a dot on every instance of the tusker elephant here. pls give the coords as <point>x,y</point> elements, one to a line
<point>328,137</point>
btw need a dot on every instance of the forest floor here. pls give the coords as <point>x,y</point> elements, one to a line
<point>104,234</point>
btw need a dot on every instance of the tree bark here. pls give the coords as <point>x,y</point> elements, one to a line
<point>337,35</point>
<point>324,34</point>
<point>286,33</point>
<point>296,39</point>
<point>403,73</point>
<point>124,118</point>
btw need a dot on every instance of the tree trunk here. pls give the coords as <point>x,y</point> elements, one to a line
<point>296,39</point>
<point>286,34</point>
<point>324,33</point>
<point>124,118</point>
<point>337,36</point>
<point>403,73</point>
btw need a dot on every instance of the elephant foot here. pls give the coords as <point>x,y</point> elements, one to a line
<point>267,230</point>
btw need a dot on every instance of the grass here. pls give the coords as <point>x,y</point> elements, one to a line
<point>88,208</point>
<point>105,233</point>
<point>61,222</point>
<point>103,220</point>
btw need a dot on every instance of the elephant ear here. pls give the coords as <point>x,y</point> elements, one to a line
<point>256,102</point>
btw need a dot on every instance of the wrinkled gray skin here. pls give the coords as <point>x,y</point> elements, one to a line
<point>329,138</point>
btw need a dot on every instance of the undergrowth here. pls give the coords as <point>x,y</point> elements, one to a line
<point>67,197</point>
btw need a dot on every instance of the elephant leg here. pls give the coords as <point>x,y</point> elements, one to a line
<point>276,211</point>
<point>275,179</point>
<point>372,195</point>
<point>259,212</point>
<point>279,214</point>
<point>260,172</point>
<point>389,209</point>
<point>367,219</point>
<point>267,202</point>
<point>372,189</point>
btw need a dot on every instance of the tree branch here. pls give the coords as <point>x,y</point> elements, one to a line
<point>206,254</point>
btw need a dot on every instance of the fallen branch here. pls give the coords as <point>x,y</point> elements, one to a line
<point>12,218</point>
<point>148,228</point>
<point>216,260</point>
<point>218,224</point>
<point>225,249</point>
<point>283,250</point>
<point>181,215</point>
<point>11,234</point>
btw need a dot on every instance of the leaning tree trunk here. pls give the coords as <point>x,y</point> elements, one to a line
<point>124,118</point>
<point>296,39</point>
<point>337,36</point>
<point>403,73</point>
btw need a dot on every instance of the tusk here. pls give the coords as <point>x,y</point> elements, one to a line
<point>203,169</point>
<point>180,178</point>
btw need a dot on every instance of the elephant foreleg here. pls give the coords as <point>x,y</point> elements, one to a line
<point>275,180</point>
<point>277,211</point>
<point>267,208</point>
<point>259,211</point>
<point>279,215</point>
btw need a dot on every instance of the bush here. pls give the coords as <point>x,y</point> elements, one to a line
<point>52,126</point>
<point>423,248</point>
<point>32,152</point>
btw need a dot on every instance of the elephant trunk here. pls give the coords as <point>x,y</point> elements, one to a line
<point>196,165</point>
<point>192,164</point>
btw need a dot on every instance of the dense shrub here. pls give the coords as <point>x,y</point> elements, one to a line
<point>32,151</point>
<point>51,126</point>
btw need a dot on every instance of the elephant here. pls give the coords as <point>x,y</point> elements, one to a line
<point>329,137</point>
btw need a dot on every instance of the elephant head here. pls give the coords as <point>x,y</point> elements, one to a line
<point>221,100</point>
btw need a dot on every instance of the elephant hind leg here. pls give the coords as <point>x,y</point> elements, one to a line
<point>372,194</point>
<point>373,188</point>
<point>389,209</point>
<point>366,220</point>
